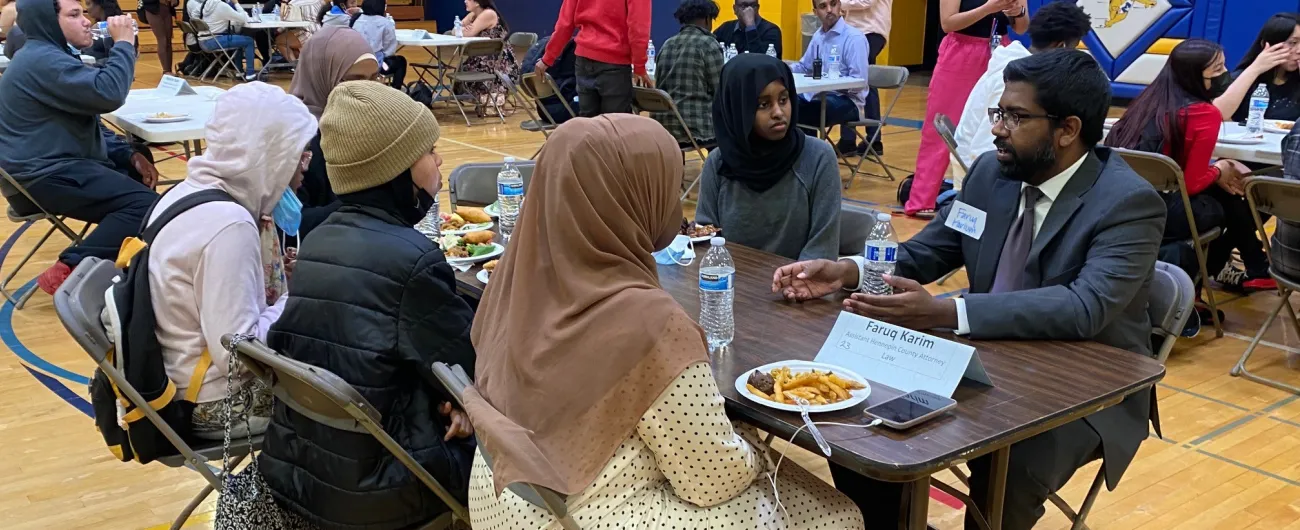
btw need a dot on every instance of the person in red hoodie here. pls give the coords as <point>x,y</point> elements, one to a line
<point>1176,116</point>
<point>611,51</point>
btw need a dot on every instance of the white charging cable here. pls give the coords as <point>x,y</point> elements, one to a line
<point>771,477</point>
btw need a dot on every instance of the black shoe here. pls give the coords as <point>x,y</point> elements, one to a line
<point>1204,316</point>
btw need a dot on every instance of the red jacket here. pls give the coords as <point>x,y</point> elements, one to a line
<point>1200,132</point>
<point>613,31</point>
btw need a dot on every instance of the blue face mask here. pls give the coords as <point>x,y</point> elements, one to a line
<point>680,252</point>
<point>288,213</point>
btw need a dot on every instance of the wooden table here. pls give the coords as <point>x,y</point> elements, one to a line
<point>1038,385</point>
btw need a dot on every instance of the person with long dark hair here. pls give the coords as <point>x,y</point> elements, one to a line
<point>1274,61</point>
<point>380,31</point>
<point>1175,116</point>
<point>484,21</point>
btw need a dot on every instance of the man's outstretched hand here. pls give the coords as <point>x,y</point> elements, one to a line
<point>910,306</point>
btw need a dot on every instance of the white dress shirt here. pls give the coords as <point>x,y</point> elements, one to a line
<point>1050,190</point>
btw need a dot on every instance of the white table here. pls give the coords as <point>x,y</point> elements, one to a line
<point>805,84</point>
<point>1269,152</point>
<point>437,67</point>
<point>277,24</point>
<point>142,102</point>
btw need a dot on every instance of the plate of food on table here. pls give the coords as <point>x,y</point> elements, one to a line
<point>697,232</point>
<point>165,117</point>
<point>825,387</point>
<point>1278,126</point>
<point>486,274</point>
<point>465,220</point>
<point>473,247</point>
<point>493,209</point>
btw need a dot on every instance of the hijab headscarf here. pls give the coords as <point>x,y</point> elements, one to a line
<point>575,339</point>
<point>325,59</point>
<point>747,158</point>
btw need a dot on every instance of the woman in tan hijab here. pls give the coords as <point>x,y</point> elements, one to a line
<point>592,380</point>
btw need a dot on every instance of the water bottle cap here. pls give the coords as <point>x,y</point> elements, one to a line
<point>510,159</point>
<point>718,241</point>
<point>882,217</point>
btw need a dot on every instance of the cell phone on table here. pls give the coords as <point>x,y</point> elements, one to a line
<point>910,409</point>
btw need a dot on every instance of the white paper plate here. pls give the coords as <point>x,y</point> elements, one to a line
<point>497,250</point>
<point>1241,139</point>
<point>173,119</point>
<point>856,396</point>
<point>475,227</point>
<point>482,276</point>
<point>492,210</point>
<point>1273,126</point>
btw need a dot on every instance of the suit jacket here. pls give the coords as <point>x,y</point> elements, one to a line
<point>1092,264</point>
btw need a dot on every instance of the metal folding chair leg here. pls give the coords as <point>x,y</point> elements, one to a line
<point>1209,293</point>
<point>55,224</point>
<point>1240,369</point>
<point>946,277</point>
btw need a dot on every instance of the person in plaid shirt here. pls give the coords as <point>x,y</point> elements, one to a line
<point>688,69</point>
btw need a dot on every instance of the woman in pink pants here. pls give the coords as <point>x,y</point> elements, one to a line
<point>963,57</point>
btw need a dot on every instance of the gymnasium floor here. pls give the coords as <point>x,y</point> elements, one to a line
<point>1230,459</point>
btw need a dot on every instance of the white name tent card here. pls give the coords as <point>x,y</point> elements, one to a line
<point>174,86</point>
<point>899,357</point>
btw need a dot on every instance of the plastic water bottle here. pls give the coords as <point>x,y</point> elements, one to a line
<point>717,271</point>
<point>881,256</point>
<point>510,196</point>
<point>1258,106</point>
<point>458,27</point>
<point>833,62</point>
<point>100,30</point>
<point>731,52</point>
<point>771,50</point>
<point>650,59</point>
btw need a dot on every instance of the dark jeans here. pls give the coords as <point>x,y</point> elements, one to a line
<point>396,66</point>
<point>840,109</point>
<point>603,88</point>
<point>875,42</point>
<point>1217,208</point>
<point>113,198</point>
<point>262,39</point>
<point>1038,467</point>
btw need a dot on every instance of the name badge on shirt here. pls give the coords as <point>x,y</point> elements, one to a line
<point>966,219</point>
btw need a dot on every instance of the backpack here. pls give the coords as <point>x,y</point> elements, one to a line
<point>138,355</point>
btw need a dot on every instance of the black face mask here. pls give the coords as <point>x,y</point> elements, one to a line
<point>423,202</point>
<point>1219,84</point>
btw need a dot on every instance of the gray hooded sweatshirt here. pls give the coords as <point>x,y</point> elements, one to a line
<point>49,124</point>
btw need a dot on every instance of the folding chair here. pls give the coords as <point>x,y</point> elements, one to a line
<point>945,128</point>
<point>224,58</point>
<point>1172,300</point>
<point>655,100</point>
<point>856,223</point>
<point>1279,198</point>
<point>538,88</point>
<point>78,304</point>
<point>879,77</point>
<point>477,182</point>
<point>520,42</point>
<point>456,381</point>
<point>327,399</point>
<point>56,223</point>
<point>1167,177</point>
<point>478,48</point>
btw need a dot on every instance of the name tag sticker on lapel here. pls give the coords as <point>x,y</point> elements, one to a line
<point>966,219</point>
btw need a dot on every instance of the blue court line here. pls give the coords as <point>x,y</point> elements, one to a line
<point>64,392</point>
<point>25,355</point>
<point>901,122</point>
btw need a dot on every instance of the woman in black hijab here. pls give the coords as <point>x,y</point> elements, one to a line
<point>767,185</point>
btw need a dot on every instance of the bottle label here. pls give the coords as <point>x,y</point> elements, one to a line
<point>715,282</point>
<point>878,253</point>
<point>510,190</point>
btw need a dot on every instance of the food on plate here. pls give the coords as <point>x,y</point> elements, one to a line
<point>165,116</point>
<point>1284,125</point>
<point>816,387</point>
<point>451,221</point>
<point>456,247</point>
<point>491,266</point>
<point>692,230</point>
<point>481,237</point>
<point>473,215</point>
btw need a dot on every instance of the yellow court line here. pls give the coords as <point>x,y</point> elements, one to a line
<point>205,517</point>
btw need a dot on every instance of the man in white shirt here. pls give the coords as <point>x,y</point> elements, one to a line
<point>1055,25</point>
<point>1067,252</point>
<point>843,106</point>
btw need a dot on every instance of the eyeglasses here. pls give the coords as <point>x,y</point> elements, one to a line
<point>1012,120</point>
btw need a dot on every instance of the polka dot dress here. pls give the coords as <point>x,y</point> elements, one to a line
<point>686,467</point>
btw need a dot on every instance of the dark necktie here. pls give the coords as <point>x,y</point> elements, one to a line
<point>1015,251</point>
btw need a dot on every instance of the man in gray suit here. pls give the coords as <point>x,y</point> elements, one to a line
<point>1067,253</point>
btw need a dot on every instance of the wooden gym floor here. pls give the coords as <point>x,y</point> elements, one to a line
<point>1230,459</point>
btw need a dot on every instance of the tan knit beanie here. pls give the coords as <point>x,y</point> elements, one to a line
<point>370,133</point>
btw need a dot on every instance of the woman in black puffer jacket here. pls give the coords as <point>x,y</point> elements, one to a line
<point>374,302</point>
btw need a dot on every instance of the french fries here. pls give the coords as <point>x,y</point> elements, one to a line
<point>816,387</point>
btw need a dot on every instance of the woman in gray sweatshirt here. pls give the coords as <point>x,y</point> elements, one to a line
<point>767,186</point>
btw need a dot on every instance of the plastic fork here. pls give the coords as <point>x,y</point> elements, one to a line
<point>812,428</point>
